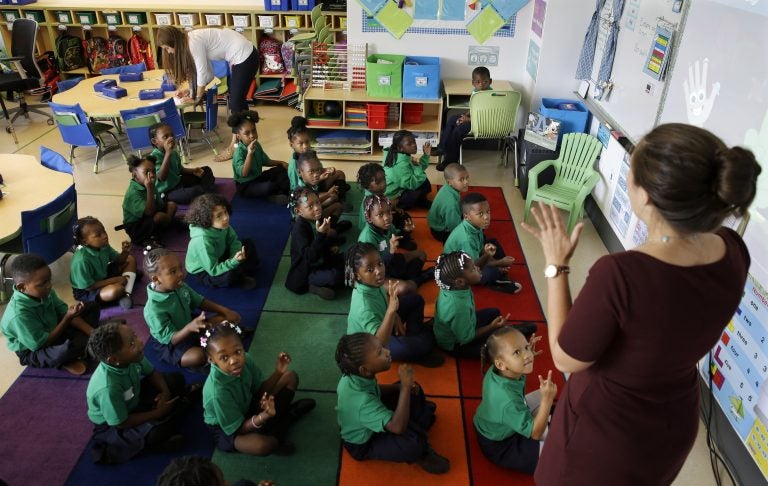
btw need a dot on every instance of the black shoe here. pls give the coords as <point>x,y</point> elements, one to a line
<point>173,444</point>
<point>436,152</point>
<point>510,287</point>
<point>300,408</point>
<point>434,463</point>
<point>342,225</point>
<point>440,167</point>
<point>324,293</point>
<point>125,302</point>
<point>426,276</point>
<point>426,204</point>
<point>407,244</point>
<point>432,360</point>
<point>248,283</point>
<point>336,240</point>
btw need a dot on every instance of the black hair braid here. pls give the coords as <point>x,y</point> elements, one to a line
<point>80,224</point>
<point>298,126</point>
<point>394,149</point>
<point>366,173</point>
<point>152,258</point>
<point>218,331</point>
<point>449,267</point>
<point>353,259</point>
<point>350,352</point>
<point>375,200</point>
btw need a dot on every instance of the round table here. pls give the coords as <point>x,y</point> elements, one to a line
<point>27,184</point>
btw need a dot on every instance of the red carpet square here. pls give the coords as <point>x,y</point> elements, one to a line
<point>523,306</point>
<point>504,232</point>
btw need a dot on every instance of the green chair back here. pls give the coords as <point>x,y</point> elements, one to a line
<point>493,113</point>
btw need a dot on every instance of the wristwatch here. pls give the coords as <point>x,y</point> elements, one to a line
<point>552,271</point>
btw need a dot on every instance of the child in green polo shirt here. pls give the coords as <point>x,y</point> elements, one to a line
<point>145,212</point>
<point>445,213</point>
<point>487,254</point>
<point>311,172</point>
<point>382,422</point>
<point>244,411</point>
<point>406,178</point>
<point>510,425</point>
<point>97,272</point>
<point>389,308</point>
<point>215,255</point>
<point>170,303</point>
<point>179,184</point>
<point>300,140</point>
<point>249,159</point>
<point>373,181</point>
<point>132,406</point>
<point>38,325</point>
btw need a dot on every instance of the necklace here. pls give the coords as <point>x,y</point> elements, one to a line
<point>668,238</point>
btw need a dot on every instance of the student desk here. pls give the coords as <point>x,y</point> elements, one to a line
<point>27,185</point>
<point>458,91</point>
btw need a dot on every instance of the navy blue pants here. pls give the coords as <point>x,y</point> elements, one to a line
<point>418,339</point>
<point>491,274</point>
<point>172,353</point>
<point>415,197</point>
<point>397,267</point>
<point>472,349</point>
<point>236,275</point>
<point>329,274</point>
<point>269,183</point>
<point>515,452</point>
<point>451,138</point>
<point>192,186</point>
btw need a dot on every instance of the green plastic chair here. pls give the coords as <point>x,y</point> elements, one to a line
<point>575,177</point>
<point>493,115</point>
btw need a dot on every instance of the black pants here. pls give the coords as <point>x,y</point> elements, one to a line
<point>70,345</point>
<point>440,235</point>
<point>240,80</point>
<point>491,274</point>
<point>483,317</point>
<point>236,275</point>
<point>418,340</point>
<point>192,186</point>
<point>398,267</point>
<point>141,230</point>
<point>329,274</point>
<point>515,452</point>
<point>269,183</point>
<point>451,138</point>
<point>415,197</point>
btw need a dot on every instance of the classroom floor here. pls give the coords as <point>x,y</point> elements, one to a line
<point>101,195</point>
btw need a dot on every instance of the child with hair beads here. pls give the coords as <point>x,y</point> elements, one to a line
<point>445,213</point>
<point>38,325</point>
<point>384,422</point>
<point>97,272</point>
<point>387,308</point>
<point>511,425</point>
<point>380,233</point>
<point>145,212</point>
<point>133,407</point>
<point>489,256</point>
<point>179,184</point>
<point>168,310</point>
<point>300,140</point>
<point>215,255</point>
<point>199,471</point>
<point>406,178</point>
<point>373,181</point>
<point>244,411</point>
<point>316,265</point>
<point>310,172</point>
<point>249,159</point>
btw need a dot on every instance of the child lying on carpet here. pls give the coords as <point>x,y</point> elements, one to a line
<point>510,424</point>
<point>300,139</point>
<point>199,471</point>
<point>371,178</point>
<point>244,412</point>
<point>384,422</point>
<point>145,212</point>
<point>38,325</point>
<point>388,308</point>
<point>487,254</point>
<point>445,213</point>
<point>215,255</point>
<point>132,406</point>
<point>316,264</point>
<point>168,310</point>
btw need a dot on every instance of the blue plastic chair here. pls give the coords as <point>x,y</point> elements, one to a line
<point>221,71</point>
<point>131,68</point>
<point>54,160</point>
<point>138,120</point>
<point>77,131</point>
<point>47,230</point>
<point>206,120</point>
<point>68,84</point>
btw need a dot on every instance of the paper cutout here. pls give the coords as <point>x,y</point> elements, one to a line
<point>507,8</point>
<point>452,10</point>
<point>394,19</point>
<point>372,6</point>
<point>426,9</point>
<point>485,25</point>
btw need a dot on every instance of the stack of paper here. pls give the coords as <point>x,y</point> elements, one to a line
<point>356,115</point>
<point>277,90</point>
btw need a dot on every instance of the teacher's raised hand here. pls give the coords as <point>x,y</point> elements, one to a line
<point>558,246</point>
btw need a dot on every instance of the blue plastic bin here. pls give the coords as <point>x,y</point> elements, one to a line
<point>301,4</point>
<point>571,120</point>
<point>277,4</point>
<point>421,78</point>
<point>20,2</point>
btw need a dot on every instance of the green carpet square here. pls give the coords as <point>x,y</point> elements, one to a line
<point>310,339</point>
<point>282,299</point>
<point>317,441</point>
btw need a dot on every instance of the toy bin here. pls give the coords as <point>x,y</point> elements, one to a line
<point>268,21</point>
<point>573,114</point>
<point>86,18</point>
<point>294,21</point>
<point>384,76</point>
<point>63,17</point>
<point>412,112</point>
<point>11,15</point>
<point>113,18</point>
<point>20,2</point>
<point>377,114</point>
<point>421,78</point>
<point>302,4</point>
<point>136,18</point>
<point>36,15</point>
<point>277,4</point>
<point>163,19</point>
<point>239,20</point>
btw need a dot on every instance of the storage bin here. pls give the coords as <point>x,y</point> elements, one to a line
<point>187,19</point>
<point>104,83</point>
<point>241,20</point>
<point>421,78</point>
<point>21,2</point>
<point>213,19</point>
<point>151,94</point>
<point>115,92</point>
<point>64,17</point>
<point>86,18</point>
<point>412,112</point>
<point>294,21</point>
<point>302,4</point>
<point>113,18</point>
<point>267,20</point>
<point>163,19</point>
<point>131,77</point>
<point>385,139</point>
<point>276,4</point>
<point>576,120</point>
<point>10,15</point>
<point>36,15</point>
<point>343,23</point>
<point>384,79</point>
<point>135,18</point>
<point>377,114</point>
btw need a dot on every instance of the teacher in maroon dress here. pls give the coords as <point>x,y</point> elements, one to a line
<point>629,412</point>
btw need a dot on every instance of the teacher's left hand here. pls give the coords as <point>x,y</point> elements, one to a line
<point>557,245</point>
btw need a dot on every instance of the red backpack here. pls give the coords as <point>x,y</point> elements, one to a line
<point>139,51</point>
<point>96,53</point>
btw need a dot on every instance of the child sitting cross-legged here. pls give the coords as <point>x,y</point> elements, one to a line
<point>316,264</point>
<point>382,422</point>
<point>168,312</point>
<point>145,212</point>
<point>38,326</point>
<point>310,173</point>
<point>97,272</point>
<point>373,181</point>
<point>445,213</point>
<point>246,412</point>
<point>199,471</point>
<point>510,424</point>
<point>406,178</point>
<point>215,255</point>
<point>300,140</point>
<point>133,407</point>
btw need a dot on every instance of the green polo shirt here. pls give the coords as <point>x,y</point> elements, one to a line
<point>167,313</point>
<point>113,392</point>
<point>27,322</point>
<point>466,237</point>
<point>259,159</point>
<point>359,410</point>
<point>445,212</point>
<point>403,175</point>
<point>503,411</point>
<point>135,201</point>
<point>380,240</point>
<point>212,250</point>
<point>367,309</point>
<point>226,398</point>
<point>89,265</point>
<point>362,221</point>
<point>455,318</point>
<point>293,172</point>
<point>173,178</point>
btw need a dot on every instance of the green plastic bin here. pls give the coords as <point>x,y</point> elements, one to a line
<point>86,18</point>
<point>384,80</point>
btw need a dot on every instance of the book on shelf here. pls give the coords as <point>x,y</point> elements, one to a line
<point>542,130</point>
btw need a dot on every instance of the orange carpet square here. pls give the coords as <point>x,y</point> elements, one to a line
<point>441,382</point>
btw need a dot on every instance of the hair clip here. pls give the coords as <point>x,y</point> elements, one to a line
<point>204,342</point>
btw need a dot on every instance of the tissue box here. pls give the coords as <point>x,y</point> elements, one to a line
<point>114,91</point>
<point>105,83</point>
<point>130,77</point>
<point>151,94</point>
